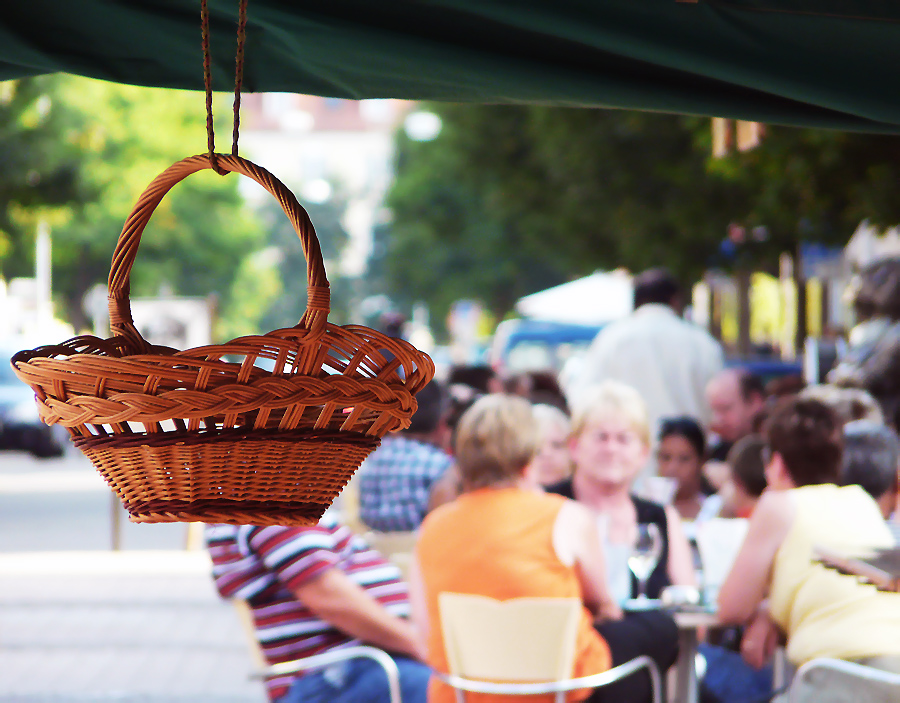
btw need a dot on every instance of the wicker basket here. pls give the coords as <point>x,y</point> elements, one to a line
<point>262,430</point>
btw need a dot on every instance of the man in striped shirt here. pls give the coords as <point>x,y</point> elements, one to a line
<point>315,589</point>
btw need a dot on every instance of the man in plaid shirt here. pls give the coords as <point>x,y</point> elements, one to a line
<point>395,481</point>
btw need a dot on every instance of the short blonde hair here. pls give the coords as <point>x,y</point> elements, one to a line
<point>495,441</point>
<point>612,398</point>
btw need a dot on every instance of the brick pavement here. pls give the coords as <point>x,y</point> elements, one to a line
<point>130,627</point>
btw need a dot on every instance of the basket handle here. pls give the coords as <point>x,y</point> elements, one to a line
<point>319,295</point>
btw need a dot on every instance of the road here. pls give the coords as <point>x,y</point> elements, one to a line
<point>80,622</point>
<point>64,504</point>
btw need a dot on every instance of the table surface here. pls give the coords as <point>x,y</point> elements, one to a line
<point>694,618</point>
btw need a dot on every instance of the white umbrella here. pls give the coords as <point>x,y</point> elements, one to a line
<point>602,297</point>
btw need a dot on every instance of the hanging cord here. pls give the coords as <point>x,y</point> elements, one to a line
<point>207,82</point>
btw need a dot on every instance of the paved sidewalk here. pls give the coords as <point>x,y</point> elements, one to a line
<point>130,627</point>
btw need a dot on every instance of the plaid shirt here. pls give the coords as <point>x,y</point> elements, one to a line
<point>395,482</point>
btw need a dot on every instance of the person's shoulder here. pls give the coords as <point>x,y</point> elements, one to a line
<point>440,516</point>
<point>572,516</point>
<point>775,511</point>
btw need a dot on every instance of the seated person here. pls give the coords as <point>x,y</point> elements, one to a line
<point>552,462</point>
<point>503,539</point>
<point>735,396</point>
<point>680,455</point>
<point>872,460</point>
<point>775,584</point>
<point>396,480</point>
<point>610,445</point>
<point>746,478</point>
<point>313,590</point>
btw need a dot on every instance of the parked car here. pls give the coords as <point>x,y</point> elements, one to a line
<point>767,368</point>
<point>21,427</point>
<point>535,345</point>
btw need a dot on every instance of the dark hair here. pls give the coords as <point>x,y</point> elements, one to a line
<point>540,387</point>
<point>656,285</point>
<point>432,402</point>
<point>478,376</point>
<point>871,457</point>
<point>686,427</point>
<point>807,435</point>
<point>784,386</point>
<point>750,384</point>
<point>747,466</point>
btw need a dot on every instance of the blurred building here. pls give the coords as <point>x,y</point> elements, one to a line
<point>320,146</point>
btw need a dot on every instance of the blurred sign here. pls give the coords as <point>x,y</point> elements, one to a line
<point>820,261</point>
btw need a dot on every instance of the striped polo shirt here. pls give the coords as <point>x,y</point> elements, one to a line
<point>265,565</point>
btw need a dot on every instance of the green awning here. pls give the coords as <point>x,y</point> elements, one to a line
<point>828,63</point>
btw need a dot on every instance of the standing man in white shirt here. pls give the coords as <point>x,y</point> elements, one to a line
<point>667,359</point>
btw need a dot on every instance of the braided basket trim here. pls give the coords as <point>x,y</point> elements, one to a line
<point>78,385</point>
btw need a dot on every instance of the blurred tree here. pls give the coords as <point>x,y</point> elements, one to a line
<point>116,139</point>
<point>812,185</point>
<point>287,308</point>
<point>508,200</point>
<point>40,176</point>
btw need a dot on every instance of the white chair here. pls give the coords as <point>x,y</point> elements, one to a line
<point>836,681</point>
<point>719,540</point>
<point>528,644</point>
<point>316,661</point>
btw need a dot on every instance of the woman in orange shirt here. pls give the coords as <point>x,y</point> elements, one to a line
<point>504,539</point>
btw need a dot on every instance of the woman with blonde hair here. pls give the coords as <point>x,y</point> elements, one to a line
<point>503,539</point>
<point>610,445</point>
<point>552,462</point>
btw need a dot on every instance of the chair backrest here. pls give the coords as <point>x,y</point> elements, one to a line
<point>719,540</point>
<point>853,681</point>
<point>517,640</point>
<point>245,615</point>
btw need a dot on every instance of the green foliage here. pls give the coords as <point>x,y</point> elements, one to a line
<point>106,142</point>
<point>40,175</point>
<point>814,185</point>
<point>511,199</point>
<point>257,286</point>
<point>290,268</point>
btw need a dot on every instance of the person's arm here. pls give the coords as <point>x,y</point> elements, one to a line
<point>761,638</point>
<point>681,563</point>
<point>748,582</point>
<point>417,603</point>
<point>337,600</point>
<point>576,541</point>
<point>445,489</point>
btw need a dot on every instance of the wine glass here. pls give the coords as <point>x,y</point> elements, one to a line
<point>645,555</point>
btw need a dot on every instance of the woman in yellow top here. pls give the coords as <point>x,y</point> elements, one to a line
<point>775,579</point>
<point>504,538</point>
